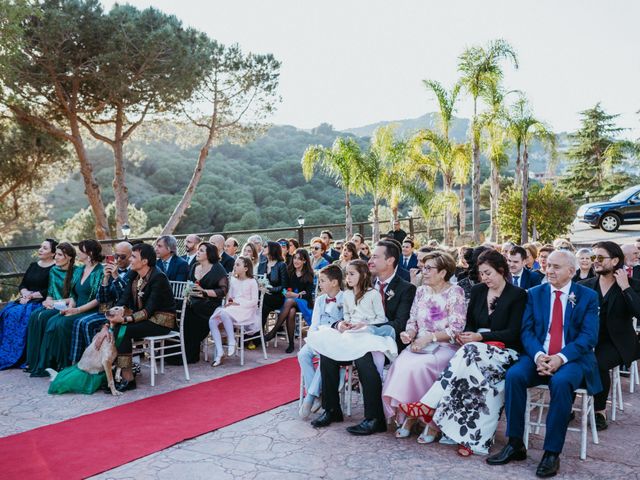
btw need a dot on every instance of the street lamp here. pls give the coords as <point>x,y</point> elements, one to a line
<point>410,213</point>
<point>301,230</point>
<point>126,230</point>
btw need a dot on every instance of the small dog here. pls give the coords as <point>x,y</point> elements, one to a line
<point>97,359</point>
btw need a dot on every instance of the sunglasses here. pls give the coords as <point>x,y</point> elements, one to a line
<point>598,258</point>
<point>283,244</point>
<point>119,256</point>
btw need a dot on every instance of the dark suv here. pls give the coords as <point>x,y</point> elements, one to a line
<point>610,214</point>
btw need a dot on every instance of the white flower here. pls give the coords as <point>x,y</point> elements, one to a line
<point>572,299</point>
<point>390,293</point>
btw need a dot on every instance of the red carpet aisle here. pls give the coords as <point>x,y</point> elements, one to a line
<point>97,442</point>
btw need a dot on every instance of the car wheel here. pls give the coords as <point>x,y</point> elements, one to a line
<point>610,222</point>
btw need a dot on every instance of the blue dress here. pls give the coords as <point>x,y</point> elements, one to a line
<point>14,318</point>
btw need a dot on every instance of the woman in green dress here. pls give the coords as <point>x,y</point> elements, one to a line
<point>62,276</point>
<point>56,343</point>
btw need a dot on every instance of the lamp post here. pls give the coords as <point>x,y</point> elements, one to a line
<point>126,230</point>
<point>301,230</point>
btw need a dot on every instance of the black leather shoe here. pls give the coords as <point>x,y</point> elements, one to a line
<point>327,418</point>
<point>549,465</point>
<point>368,427</point>
<point>507,454</point>
<point>124,385</point>
<point>601,422</point>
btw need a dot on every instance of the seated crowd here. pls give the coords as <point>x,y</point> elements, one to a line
<point>442,340</point>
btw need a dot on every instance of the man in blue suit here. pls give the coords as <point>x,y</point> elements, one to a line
<point>175,268</point>
<point>409,259</point>
<point>521,276</point>
<point>559,332</point>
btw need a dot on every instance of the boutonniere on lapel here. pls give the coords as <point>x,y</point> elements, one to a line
<point>572,299</point>
<point>389,294</point>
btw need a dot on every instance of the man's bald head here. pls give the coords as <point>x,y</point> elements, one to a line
<point>122,252</point>
<point>630,254</point>
<point>218,241</point>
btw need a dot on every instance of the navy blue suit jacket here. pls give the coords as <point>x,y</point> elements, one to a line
<point>178,270</point>
<point>413,262</point>
<point>530,279</point>
<point>581,326</point>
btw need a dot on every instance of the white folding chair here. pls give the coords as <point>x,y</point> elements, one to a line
<point>345,388</point>
<point>616,392</point>
<point>301,327</point>
<point>159,347</point>
<point>634,379</point>
<point>536,399</point>
<point>240,334</point>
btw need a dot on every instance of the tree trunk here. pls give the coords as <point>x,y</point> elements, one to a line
<point>518,165</point>
<point>495,193</point>
<point>475,178</point>
<point>463,211</point>
<point>91,187</point>
<point>185,201</point>
<point>447,215</point>
<point>524,232</point>
<point>348,221</point>
<point>120,189</point>
<point>375,234</point>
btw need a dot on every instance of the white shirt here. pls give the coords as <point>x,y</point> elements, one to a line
<point>519,275</point>
<point>386,282</point>
<point>564,298</point>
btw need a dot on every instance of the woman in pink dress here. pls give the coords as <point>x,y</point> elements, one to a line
<point>438,314</point>
<point>241,308</point>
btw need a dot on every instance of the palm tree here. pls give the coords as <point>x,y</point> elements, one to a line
<point>479,67</point>
<point>339,162</point>
<point>495,146</point>
<point>524,128</point>
<point>449,159</point>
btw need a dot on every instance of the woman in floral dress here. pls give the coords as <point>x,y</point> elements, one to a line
<point>466,401</point>
<point>437,316</point>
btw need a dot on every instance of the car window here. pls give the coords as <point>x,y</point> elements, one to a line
<point>622,196</point>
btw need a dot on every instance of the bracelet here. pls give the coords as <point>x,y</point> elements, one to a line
<point>434,339</point>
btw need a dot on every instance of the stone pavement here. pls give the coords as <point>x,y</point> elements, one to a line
<point>581,233</point>
<point>277,445</point>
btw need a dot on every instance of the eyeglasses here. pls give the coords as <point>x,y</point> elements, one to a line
<point>120,256</point>
<point>598,258</point>
<point>283,244</point>
<point>428,268</point>
<point>316,248</point>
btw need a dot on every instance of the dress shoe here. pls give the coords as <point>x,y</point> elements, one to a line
<point>601,422</point>
<point>368,427</point>
<point>327,418</point>
<point>124,385</point>
<point>507,454</point>
<point>549,465</point>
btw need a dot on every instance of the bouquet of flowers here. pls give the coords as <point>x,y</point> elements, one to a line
<point>263,283</point>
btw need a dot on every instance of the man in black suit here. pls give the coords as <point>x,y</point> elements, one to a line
<point>331,254</point>
<point>397,295</point>
<point>226,260</point>
<point>191,243</point>
<point>175,268</point>
<point>397,233</point>
<point>619,298</point>
<point>409,259</point>
<point>521,276</point>
<point>631,266</point>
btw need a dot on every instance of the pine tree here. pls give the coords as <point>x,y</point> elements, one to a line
<point>594,154</point>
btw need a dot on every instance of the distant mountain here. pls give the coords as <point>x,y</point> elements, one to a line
<point>407,126</point>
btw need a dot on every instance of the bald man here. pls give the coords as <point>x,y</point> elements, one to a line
<point>191,243</point>
<point>631,254</point>
<point>226,260</point>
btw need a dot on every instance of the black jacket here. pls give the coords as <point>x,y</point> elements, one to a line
<point>157,295</point>
<point>622,306</point>
<point>397,305</point>
<point>227,261</point>
<point>506,319</point>
<point>278,277</point>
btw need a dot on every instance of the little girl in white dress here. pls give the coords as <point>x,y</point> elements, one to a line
<point>361,331</point>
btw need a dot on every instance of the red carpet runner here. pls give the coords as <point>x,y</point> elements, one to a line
<point>100,441</point>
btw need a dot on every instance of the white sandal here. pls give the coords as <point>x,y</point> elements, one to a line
<point>425,437</point>
<point>403,431</point>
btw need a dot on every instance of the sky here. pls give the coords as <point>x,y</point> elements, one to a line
<point>355,62</point>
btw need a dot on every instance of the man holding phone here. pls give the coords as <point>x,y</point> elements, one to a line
<point>116,270</point>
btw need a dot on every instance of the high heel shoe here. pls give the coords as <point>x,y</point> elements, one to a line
<point>216,362</point>
<point>427,437</point>
<point>417,410</point>
<point>405,429</point>
<point>290,349</point>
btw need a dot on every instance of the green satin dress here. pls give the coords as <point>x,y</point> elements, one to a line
<point>38,319</point>
<point>56,342</point>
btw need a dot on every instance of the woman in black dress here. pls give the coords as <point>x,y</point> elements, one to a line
<point>298,297</point>
<point>276,272</point>
<point>14,318</point>
<point>211,286</point>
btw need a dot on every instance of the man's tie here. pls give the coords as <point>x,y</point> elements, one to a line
<point>381,288</point>
<point>629,271</point>
<point>166,265</point>
<point>515,280</point>
<point>555,332</point>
